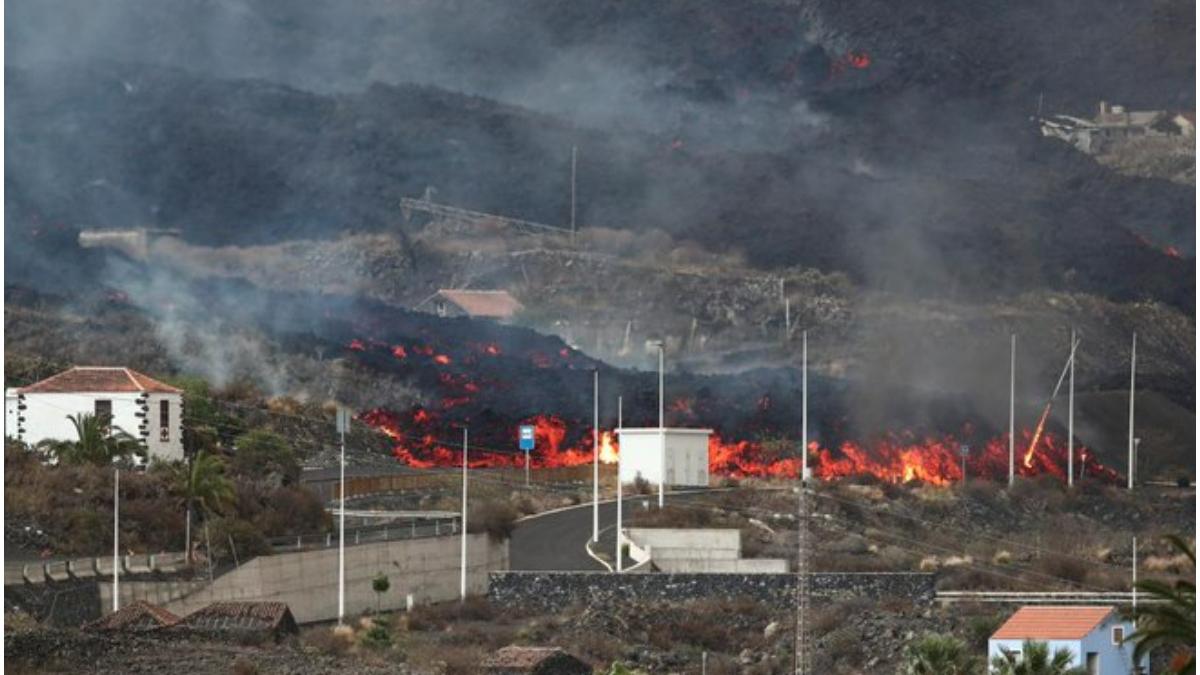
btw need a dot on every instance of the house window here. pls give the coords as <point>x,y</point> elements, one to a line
<point>1118,635</point>
<point>164,420</point>
<point>103,412</point>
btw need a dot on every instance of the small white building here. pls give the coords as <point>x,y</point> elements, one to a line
<point>147,409</point>
<point>679,455</point>
<point>1094,636</point>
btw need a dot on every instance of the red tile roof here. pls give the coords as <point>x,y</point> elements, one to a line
<point>235,616</point>
<point>494,304</point>
<point>98,379</point>
<point>136,617</point>
<point>1052,623</point>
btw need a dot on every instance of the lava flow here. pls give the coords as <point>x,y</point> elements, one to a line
<point>896,458</point>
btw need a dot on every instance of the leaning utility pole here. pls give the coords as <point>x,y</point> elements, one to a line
<point>1132,382</point>
<point>1012,400</point>
<point>1071,418</point>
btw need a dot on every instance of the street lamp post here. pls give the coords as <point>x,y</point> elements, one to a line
<point>662,433</point>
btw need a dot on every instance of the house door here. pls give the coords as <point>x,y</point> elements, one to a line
<point>1093,663</point>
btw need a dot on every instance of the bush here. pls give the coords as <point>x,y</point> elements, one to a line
<point>248,541</point>
<point>498,519</point>
<point>333,641</point>
<point>262,453</point>
<point>1064,567</point>
<point>244,666</point>
<point>378,636</point>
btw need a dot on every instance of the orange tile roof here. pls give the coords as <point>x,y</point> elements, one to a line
<point>138,616</point>
<point>98,379</point>
<point>1052,623</point>
<point>495,304</point>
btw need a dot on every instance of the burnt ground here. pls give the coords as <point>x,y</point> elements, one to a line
<point>1034,537</point>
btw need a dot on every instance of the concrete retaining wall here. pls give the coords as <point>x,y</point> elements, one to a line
<point>693,550</point>
<point>558,589</point>
<point>307,581</point>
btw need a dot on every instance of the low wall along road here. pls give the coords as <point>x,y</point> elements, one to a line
<point>307,580</point>
<point>548,590</point>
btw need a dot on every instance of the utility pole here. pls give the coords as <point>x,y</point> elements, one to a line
<point>595,455</point>
<point>1071,418</point>
<point>343,420</point>
<point>801,648</point>
<point>804,472</point>
<point>1012,401</point>
<point>1132,383</point>
<point>662,433</point>
<point>1134,570</point>
<point>574,159</point>
<point>462,580</point>
<point>116,590</point>
<point>620,426</point>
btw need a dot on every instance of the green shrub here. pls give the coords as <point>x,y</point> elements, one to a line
<point>378,636</point>
<point>261,453</point>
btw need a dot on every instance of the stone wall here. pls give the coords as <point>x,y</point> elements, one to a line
<point>559,589</point>
<point>58,603</point>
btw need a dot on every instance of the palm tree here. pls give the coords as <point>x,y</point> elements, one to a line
<point>96,442</point>
<point>203,483</point>
<point>1035,659</point>
<point>936,654</point>
<point>1171,621</point>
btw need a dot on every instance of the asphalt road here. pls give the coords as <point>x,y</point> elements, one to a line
<point>556,541</point>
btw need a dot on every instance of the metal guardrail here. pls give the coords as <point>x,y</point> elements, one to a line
<point>414,529</point>
<point>469,216</point>
<point>1044,597</point>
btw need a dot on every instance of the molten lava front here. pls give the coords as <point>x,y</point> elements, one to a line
<point>426,436</point>
<point>897,458</point>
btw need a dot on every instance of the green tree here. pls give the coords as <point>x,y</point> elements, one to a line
<point>1169,622</point>
<point>380,585</point>
<point>261,452</point>
<point>1035,659</point>
<point>935,654</point>
<point>202,483</point>
<point>97,442</point>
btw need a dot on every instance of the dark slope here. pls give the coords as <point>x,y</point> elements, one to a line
<point>900,198</point>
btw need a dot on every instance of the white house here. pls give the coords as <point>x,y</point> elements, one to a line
<point>679,455</point>
<point>1094,635</point>
<point>147,409</point>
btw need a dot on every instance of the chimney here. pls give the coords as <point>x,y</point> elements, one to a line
<point>1103,108</point>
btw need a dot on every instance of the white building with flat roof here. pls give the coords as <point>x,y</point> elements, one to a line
<point>673,456</point>
<point>143,407</point>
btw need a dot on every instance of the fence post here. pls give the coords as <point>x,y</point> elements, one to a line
<point>297,542</point>
<point>356,535</point>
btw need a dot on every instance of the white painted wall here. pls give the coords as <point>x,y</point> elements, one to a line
<point>1114,659</point>
<point>686,456</point>
<point>709,550</point>
<point>45,417</point>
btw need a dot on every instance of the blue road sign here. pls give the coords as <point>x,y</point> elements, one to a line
<point>526,438</point>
